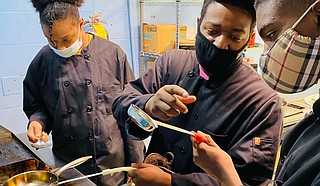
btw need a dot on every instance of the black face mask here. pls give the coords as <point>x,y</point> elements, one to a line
<point>220,63</point>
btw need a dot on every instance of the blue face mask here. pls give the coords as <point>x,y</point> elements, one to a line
<point>71,50</point>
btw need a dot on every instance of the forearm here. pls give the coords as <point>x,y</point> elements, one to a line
<point>230,178</point>
<point>35,112</point>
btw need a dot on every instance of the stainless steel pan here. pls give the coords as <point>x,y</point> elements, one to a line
<point>40,178</point>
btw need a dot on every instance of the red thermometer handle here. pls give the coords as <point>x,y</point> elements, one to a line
<point>198,138</point>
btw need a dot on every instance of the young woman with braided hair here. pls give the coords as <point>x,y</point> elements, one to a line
<point>69,89</point>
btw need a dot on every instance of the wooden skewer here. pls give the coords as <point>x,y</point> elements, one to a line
<point>173,127</point>
<point>198,138</point>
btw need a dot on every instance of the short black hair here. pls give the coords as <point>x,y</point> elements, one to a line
<point>247,5</point>
<point>296,6</point>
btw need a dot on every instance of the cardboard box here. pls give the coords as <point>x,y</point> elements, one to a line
<point>158,38</point>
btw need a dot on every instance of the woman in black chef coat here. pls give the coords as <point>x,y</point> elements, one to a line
<point>69,89</point>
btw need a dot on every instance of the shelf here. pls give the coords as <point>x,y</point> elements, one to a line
<point>148,54</point>
<point>171,1</point>
<point>177,4</point>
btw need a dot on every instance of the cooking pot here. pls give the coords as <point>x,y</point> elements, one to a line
<point>40,178</point>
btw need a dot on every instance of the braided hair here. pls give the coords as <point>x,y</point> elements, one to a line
<point>52,10</point>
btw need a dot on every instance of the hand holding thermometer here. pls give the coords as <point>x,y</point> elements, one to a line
<point>144,121</point>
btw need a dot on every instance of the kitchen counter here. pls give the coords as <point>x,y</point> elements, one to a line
<point>17,148</point>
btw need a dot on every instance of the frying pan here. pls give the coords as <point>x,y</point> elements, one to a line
<point>40,178</point>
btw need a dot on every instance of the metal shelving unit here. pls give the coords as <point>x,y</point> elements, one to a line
<point>177,3</point>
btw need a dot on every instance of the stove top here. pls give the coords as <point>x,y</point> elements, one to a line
<point>11,151</point>
<point>16,157</point>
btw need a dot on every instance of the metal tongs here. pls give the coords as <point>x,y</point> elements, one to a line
<point>144,121</point>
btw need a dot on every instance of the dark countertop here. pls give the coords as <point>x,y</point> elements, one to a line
<point>44,154</point>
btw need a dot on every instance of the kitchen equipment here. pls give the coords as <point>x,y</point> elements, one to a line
<point>40,178</point>
<point>10,170</point>
<point>104,172</point>
<point>144,121</point>
<point>95,26</point>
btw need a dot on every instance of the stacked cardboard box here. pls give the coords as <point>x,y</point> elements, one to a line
<point>158,38</point>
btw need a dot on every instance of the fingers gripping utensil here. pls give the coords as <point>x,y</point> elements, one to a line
<point>104,172</point>
<point>144,121</point>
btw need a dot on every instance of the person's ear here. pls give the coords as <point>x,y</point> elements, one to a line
<point>316,12</point>
<point>81,23</point>
<point>198,20</point>
<point>252,38</point>
<point>316,8</point>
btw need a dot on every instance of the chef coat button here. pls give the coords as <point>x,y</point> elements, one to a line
<point>161,138</point>
<point>69,110</point>
<point>214,85</point>
<point>89,109</point>
<point>282,159</point>
<point>182,150</point>
<point>66,83</point>
<point>88,82</point>
<point>90,137</point>
<point>92,163</point>
<point>191,74</point>
<point>196,116</point>
<point>86,56</point>
<point>71,138</point>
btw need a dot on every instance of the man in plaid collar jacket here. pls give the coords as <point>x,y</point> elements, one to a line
<point>294,25</point>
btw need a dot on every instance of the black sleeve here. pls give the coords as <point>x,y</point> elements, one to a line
<point>33,105</point>
<point>138,92</point>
